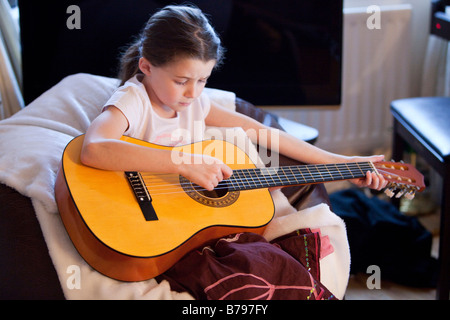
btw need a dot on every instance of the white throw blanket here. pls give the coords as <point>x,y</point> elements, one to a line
<point>31,145</point>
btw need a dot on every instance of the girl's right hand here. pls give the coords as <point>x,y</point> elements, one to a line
<point>204,170</point>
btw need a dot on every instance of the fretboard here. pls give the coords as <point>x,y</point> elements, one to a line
<point>245,179</point>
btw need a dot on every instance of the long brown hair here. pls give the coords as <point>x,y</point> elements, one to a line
<point>171,33</point>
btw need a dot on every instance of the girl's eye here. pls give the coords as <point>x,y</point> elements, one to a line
<point>180,83</point>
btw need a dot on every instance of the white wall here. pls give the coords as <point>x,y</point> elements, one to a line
<point>420,22</point>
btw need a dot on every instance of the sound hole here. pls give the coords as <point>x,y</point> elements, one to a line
<point>219,192</point>
<point>219,197</point>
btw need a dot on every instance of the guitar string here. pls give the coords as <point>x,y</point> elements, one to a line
<point>290,179</point>
<point>392,174</point>
<point>274,171</point>
<point>195,189</point>
<point>255,174</point>
<point>249,174</point>
<point>245,181</point>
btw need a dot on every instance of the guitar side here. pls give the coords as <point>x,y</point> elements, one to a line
<point>106,224</point>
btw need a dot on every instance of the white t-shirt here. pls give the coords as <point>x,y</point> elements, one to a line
<point>144,123</point>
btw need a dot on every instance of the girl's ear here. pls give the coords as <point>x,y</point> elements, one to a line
<point>145,66</point>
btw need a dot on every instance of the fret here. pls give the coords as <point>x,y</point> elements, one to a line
<point>363,173</point>
<point>340,172</point>
<point>276,178</point>
<point>264,172</point>
<point>240,179</point>
<point>319,173</point>
<point>233,187</point>
<point>251,182</point>
<point>325,173</point>
<point>345,171</point>
<point>311,169</point>
<point>273,174</point>
<point>304,180</point>
<point>307,174</point>
<point>293,174</point>
<point>328,173</point>
<point>246,179</point>
<point>359,171</point>
<point>350,171</point>
<point>270,172</point>
<point>354,170</point>
<point>288,179</point>
<point>256,179</point>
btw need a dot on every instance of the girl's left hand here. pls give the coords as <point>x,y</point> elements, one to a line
<point>372,179</point>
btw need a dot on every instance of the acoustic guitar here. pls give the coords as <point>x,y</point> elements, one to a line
<point>133,226</point>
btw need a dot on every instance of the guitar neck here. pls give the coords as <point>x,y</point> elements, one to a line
<point>246,179</point>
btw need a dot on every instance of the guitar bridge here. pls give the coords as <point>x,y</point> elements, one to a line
<point>142,195</point>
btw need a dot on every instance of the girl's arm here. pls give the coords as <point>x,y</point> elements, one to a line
<point>103,149</point>
<point>289,145</point>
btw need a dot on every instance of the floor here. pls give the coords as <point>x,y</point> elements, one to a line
<point>358,288</point>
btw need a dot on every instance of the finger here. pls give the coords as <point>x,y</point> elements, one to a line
<point>208,185</point>
<point>384,182</point>
<point>219,176</point>
<point>215,181</point>
<point>376,182</point>
<point>226,171</point>
<point>211,184</point>
<point>368,178</point>
<point>373,181</point>
<point>381,182</point>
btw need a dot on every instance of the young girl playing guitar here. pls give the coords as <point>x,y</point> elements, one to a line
<point>163,76</point>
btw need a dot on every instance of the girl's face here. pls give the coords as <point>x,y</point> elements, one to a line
<point>174,86</point>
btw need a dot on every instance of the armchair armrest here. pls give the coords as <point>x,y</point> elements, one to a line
<point>298,130</point>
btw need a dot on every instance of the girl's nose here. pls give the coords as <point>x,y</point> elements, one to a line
<point>191,91</point>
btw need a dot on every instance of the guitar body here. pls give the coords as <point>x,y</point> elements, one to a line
<point>106,224</point>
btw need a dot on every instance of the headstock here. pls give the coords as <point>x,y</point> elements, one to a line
<point>402,177</point>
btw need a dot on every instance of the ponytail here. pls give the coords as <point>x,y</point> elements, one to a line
<point>129,63</point>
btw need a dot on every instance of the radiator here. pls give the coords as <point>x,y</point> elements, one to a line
<point>376,70</point>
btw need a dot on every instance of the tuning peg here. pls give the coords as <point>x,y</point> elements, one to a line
<point>410,194</point>
<point>390,192</point>
<point>400,193</point>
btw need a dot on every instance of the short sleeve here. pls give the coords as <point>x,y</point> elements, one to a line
<point>129,101</point>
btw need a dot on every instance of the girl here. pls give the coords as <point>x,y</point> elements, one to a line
<point>163,75</point>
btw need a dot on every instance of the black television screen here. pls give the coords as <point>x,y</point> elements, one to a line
<point>283,52</point>
<point>279,52</point>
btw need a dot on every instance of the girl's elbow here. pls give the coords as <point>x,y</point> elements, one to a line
<point>88,155</point>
